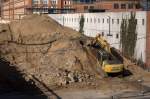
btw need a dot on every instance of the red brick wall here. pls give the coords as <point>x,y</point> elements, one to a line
<point>109,5</point>
<point>58,5</point>
<point>80,7</point>
<point>69,3</point>
<point>14,9</point>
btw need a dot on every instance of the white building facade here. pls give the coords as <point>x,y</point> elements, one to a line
<point>107,24</point>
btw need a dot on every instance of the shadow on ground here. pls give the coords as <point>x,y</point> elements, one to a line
<point>14,86</point>
<point>125,73</point>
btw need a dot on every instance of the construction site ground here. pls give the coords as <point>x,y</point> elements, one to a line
<point>42,59</point>
<point>101,89</point>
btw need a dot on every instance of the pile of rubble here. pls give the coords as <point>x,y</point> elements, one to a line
<point>39,46</point>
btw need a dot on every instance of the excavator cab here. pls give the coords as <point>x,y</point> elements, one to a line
<point>109,63</point>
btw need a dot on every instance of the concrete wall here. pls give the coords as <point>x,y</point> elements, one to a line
<point>96,23</point>
<point>148,40</point>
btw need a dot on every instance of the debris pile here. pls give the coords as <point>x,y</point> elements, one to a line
<point>39,46</point>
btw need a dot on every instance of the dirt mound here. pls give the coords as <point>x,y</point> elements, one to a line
<point>39,29</point>
<point>40,47</point>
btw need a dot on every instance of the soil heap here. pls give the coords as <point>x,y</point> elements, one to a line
<point>40,47</point>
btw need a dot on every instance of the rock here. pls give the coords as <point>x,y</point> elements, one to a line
<point>71,76</point>
<point>80,80</point>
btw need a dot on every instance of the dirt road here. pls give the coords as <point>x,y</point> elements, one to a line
<point>79,94</point>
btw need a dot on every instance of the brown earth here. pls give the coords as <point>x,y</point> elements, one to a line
<point>41,48</point>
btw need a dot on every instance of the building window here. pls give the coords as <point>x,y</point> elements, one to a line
<point>138,6</point>
<point>102,33</point>
<point>65,2</point>
<point>91,7</point>
<point>130,6</point>
<point>116,6</point>
<point>35,2</point>
<point>53,2</point>
<point>85,7</point>
<point>45,1</point>
<point>103,20</point>
<point>123,6</point>
<point>107,20</point>
<point>117,21</point>
<point>112,21</point>
<point>143,22</point>
<point>117,36</point>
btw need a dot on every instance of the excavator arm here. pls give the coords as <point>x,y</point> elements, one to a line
<point>110,62</point>
<point>102,43</point>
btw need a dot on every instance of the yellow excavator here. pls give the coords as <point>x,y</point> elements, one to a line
<point>107,56</point>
